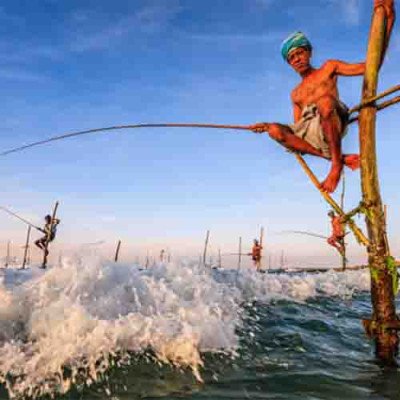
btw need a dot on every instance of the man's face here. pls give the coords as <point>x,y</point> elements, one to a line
<point>299,59</point>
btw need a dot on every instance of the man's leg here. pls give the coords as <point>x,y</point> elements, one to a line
<point>332,127</point>
<point>285,136</point>
<point>39,243</point>
<point>332,240</point>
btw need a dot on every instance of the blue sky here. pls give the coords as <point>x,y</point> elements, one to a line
<point>83,64</point>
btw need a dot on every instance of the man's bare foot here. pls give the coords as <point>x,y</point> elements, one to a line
<point>330,183</point>
<point>351,161</point>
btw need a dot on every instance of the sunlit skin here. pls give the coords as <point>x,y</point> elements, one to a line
<point>338,233</point>
<point>319,86</point>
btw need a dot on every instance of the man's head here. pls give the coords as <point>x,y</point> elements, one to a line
<point>47,218</point>
<point>331,214</point>
<point>255,242</point>
<point>296,50</point>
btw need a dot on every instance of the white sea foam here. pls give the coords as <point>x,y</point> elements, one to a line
<point>80,315</point>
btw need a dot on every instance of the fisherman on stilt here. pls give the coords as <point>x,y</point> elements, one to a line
<point>320,118</point>
<point>256,254</point>
<point>50,231</point>
<point>336,239</point>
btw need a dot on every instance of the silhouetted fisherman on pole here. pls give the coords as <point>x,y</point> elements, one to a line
<point>320,118</point>
<point>50,231</point>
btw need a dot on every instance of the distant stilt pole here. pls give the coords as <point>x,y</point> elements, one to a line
<point>117,251</point>
<point>259,262</point>
<point>219,259</point>
<point>28,235</point>
<point>205,247</point>
<point>240,253</point>
<point>8,255</point>
<point>46,245</point>
<point>147,260</point>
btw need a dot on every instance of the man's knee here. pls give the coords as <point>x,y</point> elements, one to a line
<point>278,132</point>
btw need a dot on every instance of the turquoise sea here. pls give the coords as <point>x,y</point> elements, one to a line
<point>90,329</point>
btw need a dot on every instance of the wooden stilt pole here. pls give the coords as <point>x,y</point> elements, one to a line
<point>147,260</point>
<point>354,228</point>
<point>219,258</point>
<point>205,247</point>
<point>8,255</point>
<point>259,262</point>
<point>240,253</point>
<point>343,240</point>
<point>28,235</point>
<point>46,245</point>
<point>383,271</point>
<point>117,251</point>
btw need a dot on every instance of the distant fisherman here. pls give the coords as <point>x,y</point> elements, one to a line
<point>50,231</point>
<point>320,118</point>
<point>336,239</point>
<point>256,254</point>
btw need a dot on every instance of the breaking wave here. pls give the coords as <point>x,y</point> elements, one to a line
<point>68,325</point>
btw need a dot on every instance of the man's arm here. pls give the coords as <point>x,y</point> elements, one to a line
<point>337,67</point>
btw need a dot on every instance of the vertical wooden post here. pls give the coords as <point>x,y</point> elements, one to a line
<point>383,273</point>
<point>28,235</point>
<point>117,251</point>
<point>219,258</point>
<point>147,260</point>
<point>8,255</point>
<point>240,253</point>
<point>259,263</point>
<point>46,245</point>
<point>205,247</point>
<point>343,241</point>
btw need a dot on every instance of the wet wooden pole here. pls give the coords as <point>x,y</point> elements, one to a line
<point>117,251</point>
<point>28,235</point>
<point>205,247</point>
<point>48,237</point>
<point>343,240</point>
<point>382,266</point>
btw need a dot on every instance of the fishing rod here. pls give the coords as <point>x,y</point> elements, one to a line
<point>307,233</point>
<point>20,218</point>
<point>120,127</point>
<point>379,107</point>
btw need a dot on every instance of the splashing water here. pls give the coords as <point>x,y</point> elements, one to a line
<point>69,325</point>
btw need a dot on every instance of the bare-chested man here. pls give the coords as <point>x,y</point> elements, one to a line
<point>320,117</point>
<point>337,237</point>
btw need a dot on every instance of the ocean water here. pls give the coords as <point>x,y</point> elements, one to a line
<point>92,329</point>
